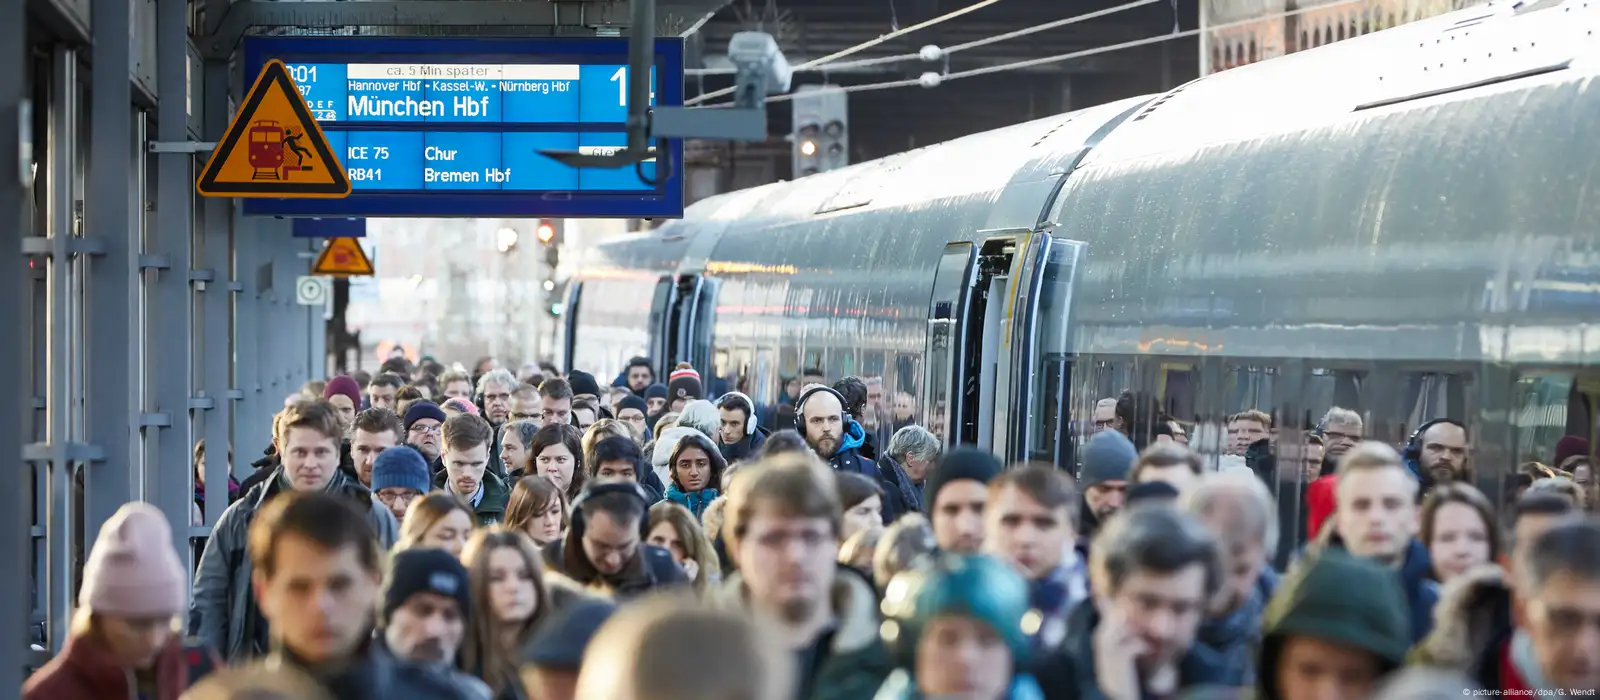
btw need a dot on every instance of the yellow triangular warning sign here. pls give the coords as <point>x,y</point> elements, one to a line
<point>343,258</point>
<point>274,148</point>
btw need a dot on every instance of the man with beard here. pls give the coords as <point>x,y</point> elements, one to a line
<point>1107,460</point>
<point>821,420</point>
<point>426,605</point>
<point>1438,452</point>
<point>782,529</point>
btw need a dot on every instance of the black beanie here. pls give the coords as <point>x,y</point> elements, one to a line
<point>425,570</point>
<point>960,463</point>
<point>583,383</point>
<point>655,391</point>
<point>1152,491</point>
<point>631,401</point>
<point>560,642</point>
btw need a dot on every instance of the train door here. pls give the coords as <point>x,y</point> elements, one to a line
<point>1037,420</point>
<point>663,324</point>
<point>966,336</point>
<point>569,324</point>
<point>696,308</point>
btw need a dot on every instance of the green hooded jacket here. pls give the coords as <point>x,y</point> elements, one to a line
<point>1338,599</point>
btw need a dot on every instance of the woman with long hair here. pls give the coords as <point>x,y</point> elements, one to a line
<point>537,509</point>
<point>438,520</point>
<point>673,528</point>
<point>556,453</point>
<point>514,440</point>
<point>1458,528</point>
<point>507,584</point>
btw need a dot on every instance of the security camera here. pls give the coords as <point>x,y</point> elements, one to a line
<point>760,63</point>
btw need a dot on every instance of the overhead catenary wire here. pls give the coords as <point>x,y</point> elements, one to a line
<point>945,51</point>
<point>1044,60</point>
<point>859,47</point>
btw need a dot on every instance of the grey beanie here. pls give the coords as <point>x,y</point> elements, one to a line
<point>1109,456</point>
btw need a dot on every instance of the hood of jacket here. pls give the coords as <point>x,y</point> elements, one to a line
<point>855,604</point>
<point>1316,600</point>
<point>1474,613</point>
<point>854,436</point>
<point>746,446</point>
<point>86,670</point>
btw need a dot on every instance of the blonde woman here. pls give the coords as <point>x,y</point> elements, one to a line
<point>674,529</point>
<point>507,584</point>
<point>438,520</point>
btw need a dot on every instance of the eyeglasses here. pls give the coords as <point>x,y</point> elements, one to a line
<point>425,429</point>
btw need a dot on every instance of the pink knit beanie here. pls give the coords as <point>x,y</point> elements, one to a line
<point>133,570</point>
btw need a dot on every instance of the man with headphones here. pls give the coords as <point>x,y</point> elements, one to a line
<point>1437,452</point>
<point>605,548</point>
<point>740,434</point>
<point>834,436</point>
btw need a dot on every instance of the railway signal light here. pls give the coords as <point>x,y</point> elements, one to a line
<point>547,233</point>
<point>821,129</point>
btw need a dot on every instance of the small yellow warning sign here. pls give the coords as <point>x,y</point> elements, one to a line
<point>274,148</point>
<point>343,258</point>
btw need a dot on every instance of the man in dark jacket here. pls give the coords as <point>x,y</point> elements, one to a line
<point>604,546</point>
<point>315,543</point>
<point>1375,517</point>
<point>827,614</point>
<point>224,612</point>
<point>1154,569</point>
<point>465,473</point>
<point>1335,628</point>
<point>1239,511</point>
<point>836,437</point>
<point>740,433</point>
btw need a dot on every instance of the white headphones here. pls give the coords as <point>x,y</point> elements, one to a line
<point>750,423</point>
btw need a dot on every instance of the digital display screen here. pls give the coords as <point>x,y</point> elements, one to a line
<point>449,133</point>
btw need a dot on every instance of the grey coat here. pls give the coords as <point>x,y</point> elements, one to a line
<point>222,604</point>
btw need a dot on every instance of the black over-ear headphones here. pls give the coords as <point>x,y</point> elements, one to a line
<point>1412,454</point>
<point>596,490</point>
<point>800,406</point>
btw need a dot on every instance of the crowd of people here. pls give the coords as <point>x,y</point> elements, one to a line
<point>435,533</point>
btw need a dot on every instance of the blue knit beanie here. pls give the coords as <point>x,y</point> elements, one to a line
<point>1109,456</point>
<point>401,467</point>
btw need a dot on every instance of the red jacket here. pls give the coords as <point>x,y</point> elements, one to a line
<point>86,670</point>
<point>1319,504</point>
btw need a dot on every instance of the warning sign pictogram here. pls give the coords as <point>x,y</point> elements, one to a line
<point>274,148</point>
<point>343,258</point>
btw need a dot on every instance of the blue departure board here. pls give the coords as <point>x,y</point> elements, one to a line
<point>449,127</point>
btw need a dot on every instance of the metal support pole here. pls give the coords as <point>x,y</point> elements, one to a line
<point>641,55</point>
<point>111,217</point>
<point>249,430</point>
<point>169,323</point>
<point>62,522</point>
<point>1205,38</point>
<point>16,159</point>
<point>217,309</point>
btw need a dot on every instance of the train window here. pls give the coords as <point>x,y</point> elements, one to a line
<point>1547,407</point>
<point>1249,388</point>
<point>1429,395</point>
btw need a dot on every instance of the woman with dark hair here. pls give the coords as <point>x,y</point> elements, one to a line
<point>556,453</point>
<point>696,469</point>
